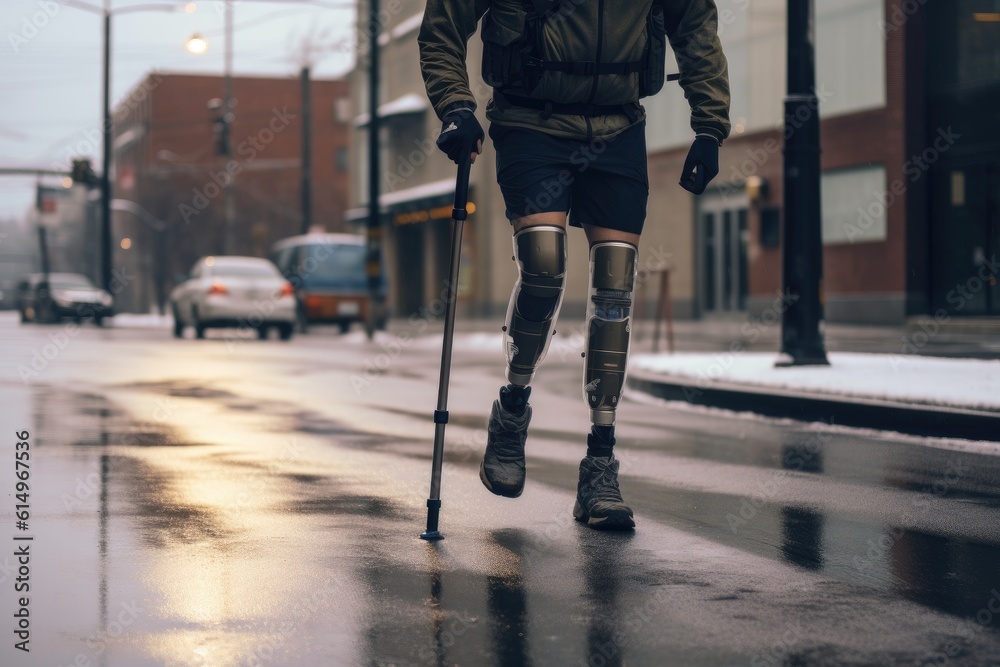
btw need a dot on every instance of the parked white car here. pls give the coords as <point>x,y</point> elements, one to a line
<point>242,292</point>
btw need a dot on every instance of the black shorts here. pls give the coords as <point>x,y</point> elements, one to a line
<point>599,182</point>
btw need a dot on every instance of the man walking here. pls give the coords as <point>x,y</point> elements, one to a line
<point>569,135</point>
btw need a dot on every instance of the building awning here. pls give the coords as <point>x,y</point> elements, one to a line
<point>410,103</point>
<point>420,197</point>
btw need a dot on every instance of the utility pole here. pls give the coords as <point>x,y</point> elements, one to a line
<point>229,243</point>
<point>306,150</point>
<point>802,241</point>
<point>373,262</point>
<point>106,249</point>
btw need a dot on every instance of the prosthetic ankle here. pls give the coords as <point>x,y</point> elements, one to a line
<point>514,398</point>
<point>609,312</point>
<point>601,440</point>
<point>540,253</point>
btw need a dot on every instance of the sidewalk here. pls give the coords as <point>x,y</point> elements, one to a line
<point>958,398</point>
<point>914,379</point>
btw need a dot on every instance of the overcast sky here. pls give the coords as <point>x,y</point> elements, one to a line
<point>50,65</point>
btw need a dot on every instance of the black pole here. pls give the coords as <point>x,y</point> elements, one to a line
<point>373,262</point>
<point>43,250</point>
<point>458,216</point>
<point>229,117</point>
<point>802,247</point>
<point>161,288</point>
<point>306,151</point>
<point>106,248</point>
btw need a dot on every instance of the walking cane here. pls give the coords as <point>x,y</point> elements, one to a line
<point>458,216</point>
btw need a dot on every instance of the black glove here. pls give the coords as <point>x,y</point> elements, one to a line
<point>461,134</point>
<point>701,165</point>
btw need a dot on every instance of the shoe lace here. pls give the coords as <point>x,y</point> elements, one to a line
<point>605,485</point>
<point>507,445</point>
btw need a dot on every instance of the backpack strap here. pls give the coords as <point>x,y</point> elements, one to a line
<point>584,68</point>
<point>631,111</point>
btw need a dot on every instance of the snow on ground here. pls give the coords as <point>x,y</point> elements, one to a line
<point>142,321</point>
<point>969,383</point>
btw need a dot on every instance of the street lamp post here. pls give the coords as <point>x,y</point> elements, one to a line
<point>230,236</point>
<point>106,157</point>
<point>159,227</point>
<point>107,127</point>
<point>226,116</point>
<point>306,150</point>
<point>374,227</point>
<point>802,241</point>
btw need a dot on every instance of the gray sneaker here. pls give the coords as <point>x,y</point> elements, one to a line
<point>502,469</point>
<point>599,501</point>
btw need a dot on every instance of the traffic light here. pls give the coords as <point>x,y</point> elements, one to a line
<point>221,119</point>
<point>83,173</point>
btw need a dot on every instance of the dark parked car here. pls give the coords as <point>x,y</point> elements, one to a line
<point>329,276</point>
<point>65,295</point>
<point>8,295</point>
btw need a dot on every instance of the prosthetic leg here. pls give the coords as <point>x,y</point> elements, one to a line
<point>599,502</point>
<point>609,316</point>
<point>540,252</point>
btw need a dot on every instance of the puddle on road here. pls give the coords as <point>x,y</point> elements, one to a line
<point>64,417</point>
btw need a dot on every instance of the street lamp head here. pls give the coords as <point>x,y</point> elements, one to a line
<point>190,8</point>
<point>197,44</point>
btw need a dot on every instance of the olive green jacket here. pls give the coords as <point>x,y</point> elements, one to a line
<point>581,30</point>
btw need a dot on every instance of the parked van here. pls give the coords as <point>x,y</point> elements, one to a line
<point>328,273</point>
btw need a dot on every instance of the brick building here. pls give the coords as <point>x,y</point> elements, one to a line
<point>167,160</point>
<point>908,94</point>
<point>909,98</point>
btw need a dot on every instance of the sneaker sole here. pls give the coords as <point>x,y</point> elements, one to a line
<point>496,490</point>
<point>613,521</point>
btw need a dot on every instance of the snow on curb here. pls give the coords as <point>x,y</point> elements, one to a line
<point>963,383</point>
<point>141,321</point>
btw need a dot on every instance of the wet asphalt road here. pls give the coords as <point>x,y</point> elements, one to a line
<point>227,503</point>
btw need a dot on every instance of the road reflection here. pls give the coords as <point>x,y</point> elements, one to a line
<point>507,603</point>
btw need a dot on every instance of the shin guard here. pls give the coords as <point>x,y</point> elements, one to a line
<point>609,312</point>
<point>540,252</point>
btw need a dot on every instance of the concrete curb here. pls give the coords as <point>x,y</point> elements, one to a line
<point>911,418</point>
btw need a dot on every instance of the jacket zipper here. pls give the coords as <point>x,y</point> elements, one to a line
<point>600,43</point>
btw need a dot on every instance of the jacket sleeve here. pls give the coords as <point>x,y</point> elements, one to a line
<point>692,28</point>
<point>443,38</point>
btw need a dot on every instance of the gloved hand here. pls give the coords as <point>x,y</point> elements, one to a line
<point>701,165</point>
<point>460,132</point>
